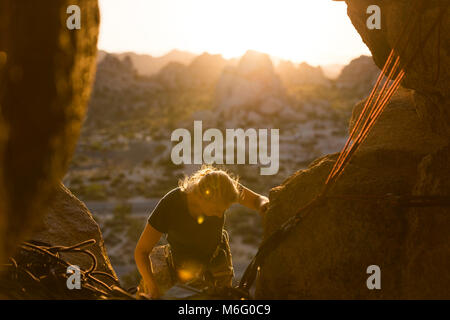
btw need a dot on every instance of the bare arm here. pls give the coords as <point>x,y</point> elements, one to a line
<point>253,200</point>
<point>149,237</point>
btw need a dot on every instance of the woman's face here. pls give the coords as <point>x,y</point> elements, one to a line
<point>210,208</point>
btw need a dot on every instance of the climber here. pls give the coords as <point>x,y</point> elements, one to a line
<point>192,216</point>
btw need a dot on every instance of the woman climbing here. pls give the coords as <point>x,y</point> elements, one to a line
<point>192,216</point>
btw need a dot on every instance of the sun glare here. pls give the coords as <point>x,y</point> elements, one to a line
<point>299,30</point>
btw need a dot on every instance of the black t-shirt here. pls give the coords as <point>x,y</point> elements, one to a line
<point>189,240</point>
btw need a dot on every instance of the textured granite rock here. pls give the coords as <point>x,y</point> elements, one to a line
<point>328,253</point>
<point>406,153</point>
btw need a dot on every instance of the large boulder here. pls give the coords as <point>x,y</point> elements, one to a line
<point>302,74</point>
<point>46,71</point>
<point>428,241</point>
<point>250,85</point>
<point>328,253</point>
<point>67,222</point>
<point>358,77</point>
<point>406,153</point>
<point>429,72</point>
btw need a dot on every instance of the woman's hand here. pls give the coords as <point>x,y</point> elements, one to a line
<point>153,291</point>
<point>263,205</point>
<point>148,289</point>
<point>254,201</point>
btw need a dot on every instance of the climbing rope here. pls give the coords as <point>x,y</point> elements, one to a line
<point>38,271</point>
<point>389,79</point>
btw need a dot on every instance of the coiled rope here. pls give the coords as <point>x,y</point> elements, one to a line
<point>38,272</point>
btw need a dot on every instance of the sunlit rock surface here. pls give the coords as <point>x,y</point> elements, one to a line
<point>67,222</point>
<point>429,71</point>
<point>406,153</point>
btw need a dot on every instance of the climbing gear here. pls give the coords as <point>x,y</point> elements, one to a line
<point>168,271</point>
<point>37,271</point>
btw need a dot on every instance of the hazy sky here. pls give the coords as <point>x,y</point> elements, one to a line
<point>316,31</point>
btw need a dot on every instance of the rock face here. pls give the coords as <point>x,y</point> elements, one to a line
<point>67,222</point>
<point>429,71</point>
<point>252,85</point>
<point>45,75</point>
<point>427,247</point>
<point>407,152</point>
<point>327,255</point>
<point>359,76</point>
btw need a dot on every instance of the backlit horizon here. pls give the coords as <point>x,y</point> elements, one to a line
<point>319,32</point>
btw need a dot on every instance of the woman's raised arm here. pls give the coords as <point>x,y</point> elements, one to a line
<point>253,200</point>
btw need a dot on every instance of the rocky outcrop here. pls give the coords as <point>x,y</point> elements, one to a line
<point>205,69</point>
<point>406,153</point>
<point>429,72</point>
<point>327,255</point>
<point>252,85</point>
<point>147,65</point>
<point>45,75</point>
<point>66,222</point>
<point>173,76</point>
<point>303,74</point>
<point>202,72</point>
<point>119,92</point>
<point>359,76</point>
<point>428,241</point>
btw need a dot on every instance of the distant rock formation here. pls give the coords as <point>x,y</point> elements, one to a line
<point>118,90</point>
<point>173,76</point>
<point>148,65</point>
<point>251,85</point>
<point>406,153</point>
<point>206,69</point>
<point>359,76</point>
<point>115,73</point>
<point>301,74</point>
<point>203,71</point>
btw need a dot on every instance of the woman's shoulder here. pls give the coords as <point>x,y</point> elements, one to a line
<point>175,192</point>
<point>173,196</point>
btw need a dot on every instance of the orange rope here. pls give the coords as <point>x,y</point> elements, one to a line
<point>368,114</point>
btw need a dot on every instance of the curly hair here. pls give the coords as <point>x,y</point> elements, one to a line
<point>212,184</point>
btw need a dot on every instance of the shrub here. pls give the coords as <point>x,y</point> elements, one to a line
<point>94,191</point>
